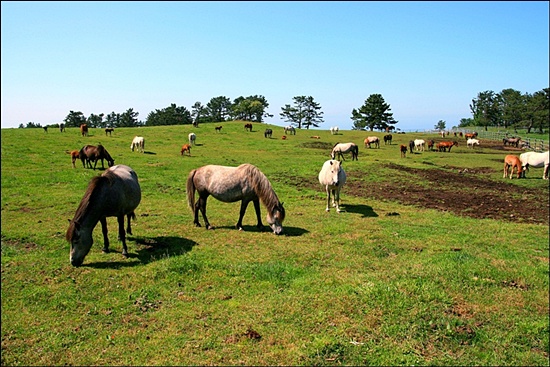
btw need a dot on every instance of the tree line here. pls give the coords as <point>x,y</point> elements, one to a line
<point>508,109</point>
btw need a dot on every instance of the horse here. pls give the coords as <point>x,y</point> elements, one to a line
<point>74,156</point>
<point>511,161</point>
<point>283,137</point>
<point>372,140</point>
<point>471,142</point>
<point>248,127</point>
<point>138,143</point>
<point>444,145</point>
<point>109,130</point>
<point>411,146</point>
<point>218,128</point>
<point>114,193</point>
<point>61,128</point>
<point>388,138</point>
<point>229,184</point>
<point>334,130</point>
<point>419,144</point>
<point>470,135</point>
<point>186,148</point>
<point>192,137</point>
<point>342,148</point>
<point>268,133</point>
<point>511,141</point>
<point>333,177</point>
<point>290,129</point>
<point>45,129</point>
<point>403,149</point>
<point>430,144</point>
<point>537,160</point>
<point>91,153</point>
<point>84,129</point>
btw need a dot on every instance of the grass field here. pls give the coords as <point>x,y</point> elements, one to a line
<point>382,283</point>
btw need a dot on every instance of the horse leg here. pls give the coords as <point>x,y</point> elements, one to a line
<point>122,235</point>
<point>328,199</point>
<point>129,226</point>
<point>337,196</point>
<point>103,222</point>
<point>258,214</point>
<point>244,204</point>
<point>201,205</point>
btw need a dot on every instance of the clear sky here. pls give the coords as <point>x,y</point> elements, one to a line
<point>428,60</point>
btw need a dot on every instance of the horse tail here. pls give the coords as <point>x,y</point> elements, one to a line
<point>191,190</point>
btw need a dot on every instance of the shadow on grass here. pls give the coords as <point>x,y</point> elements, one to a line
<point>364,210</point>
<point>148,250</point>
<point>148,152</point>
<point>287,231</point>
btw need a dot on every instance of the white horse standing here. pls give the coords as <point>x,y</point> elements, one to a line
<point>471,142</point>
<point>138,143</point>
<point>192,137</point>
<point>334,130</point>
<point>535,159</point>
<point>290,129</point>
<point>341,148</point>
<point>333,177</point>
<point>419,144</point>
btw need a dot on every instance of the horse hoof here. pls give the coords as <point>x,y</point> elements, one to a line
<point>327,210</point>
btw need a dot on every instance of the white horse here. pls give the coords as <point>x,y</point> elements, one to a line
<point>342,148</point>
<point>419,144</point>
<point>290,129</point>
<point>333,177</point>
<point>334,130</point>
<point>534,159</point>
<point>471,142</point>
<point>192,137</point>
<point>138,143</point>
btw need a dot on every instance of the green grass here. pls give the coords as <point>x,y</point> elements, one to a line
<point>356,288</point>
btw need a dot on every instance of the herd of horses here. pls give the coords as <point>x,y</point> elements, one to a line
<point>117,193</point>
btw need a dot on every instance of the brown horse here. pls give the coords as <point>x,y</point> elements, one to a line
<point>84,129</point>
<point>403,149</point>
<point>444,145</point>
<point>431,143</point>
<point>511,141</point>
<point>510,162</point>
<point>91,153</point>
<point>470,135</point>
<point>388,138</point>
<point>186,148</point>
<point>248,127</point>
<point>74,156</point>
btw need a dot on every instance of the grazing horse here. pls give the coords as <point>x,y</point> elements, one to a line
<point>268,133</point>
<point>61,128</point>
<point>411,146</point>
<point>192,137</point>
<point>470,143</point>
<point>444,145</point>
<point>372,140</point>
<point>218,128</point>
<point>342,148</point>
<point>403,149</point>
<point>334,130</point>
<point>91,153</point>
<point>84,129</point>
<point>431,143</point>
<point>248,127</point>
<point>537,160</point>
<point>109,130</point>
<point>388,138</point>
<point>470,135</point>
<point>138,143</point>
<point>333,177</point>
<point>511,161</point>
<point>74,156</point>
<point>229,184</point>
<point>186,148</point>
<point>419,144</point>
<point>511,141</point>
<point>290,129</point>
<point>114,193</point>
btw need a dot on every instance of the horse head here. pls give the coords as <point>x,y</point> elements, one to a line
<point>276,217</point>
<point>81,243</point>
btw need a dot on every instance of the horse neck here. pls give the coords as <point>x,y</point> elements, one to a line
<point>264,190</point>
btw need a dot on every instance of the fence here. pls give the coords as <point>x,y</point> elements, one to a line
<point>537,145</point>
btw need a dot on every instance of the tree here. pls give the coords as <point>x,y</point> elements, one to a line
<point>374,114</point>
<point>197,111</point>
<point>312,113</point>
<point>74,119</point>
<point>485,109</point>
<point>511,105</point>
<point>95,120</point>
<point>251,108</point>
<point>537,111</point>
<point>218,109</point>
<point>128,119</point>
<point>305,111</point>
<point>466,122</point>
<point>440,125</point>
<point>172,115</point>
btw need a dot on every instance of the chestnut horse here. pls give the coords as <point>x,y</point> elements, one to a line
<point>511,161</point>
<point>186,148</point>
<point>444,145</point>
<point>91,153</point>
<point>74,156</point>
<point>403,149</point>
<point>84,129</point>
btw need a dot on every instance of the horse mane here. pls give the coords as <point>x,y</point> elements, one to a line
<point>89,196</point>
<point>261,186</point>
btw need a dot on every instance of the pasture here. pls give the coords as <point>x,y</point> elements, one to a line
<point>435,258</point>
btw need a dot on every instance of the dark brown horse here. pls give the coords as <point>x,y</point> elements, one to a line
<point>109,131</point>
<point>388,138</point>
<point>403,149</point>
<point>218,128</point>
<point>248,127</point>
<point>91,153</point>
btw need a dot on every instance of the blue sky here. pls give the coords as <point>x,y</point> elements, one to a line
<point>428,60</point>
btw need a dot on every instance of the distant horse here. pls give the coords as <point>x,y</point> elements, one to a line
<point>91,153</point>
<point>61,128</point>
<point>333,177</point>
<point>444,145</point>
<point>229,184</point>
<point>470,143</point>
<point>115,193</point>
<point>248,127</point>
<point>192,137</point>
<point>342,148</point>
<point>430,144</point>
<point>109,130</point>
<point>537,160</point>
<point>470,135</point>
<point>290,129</point>
<point>419,144</point>
<point>186,148</point>
<point>334,130</point>
<point>84,129</point>
<point>45,129</point>
<point>218,128</point>
<point>388,138</point>
<point>403,149</point>
<point>268,133</point>
<point>138,143</point>
<point>372,140</point>
<point>74,156</point>
<point>411,145</point>
<point>511,161</point>
<point>511,141</point>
